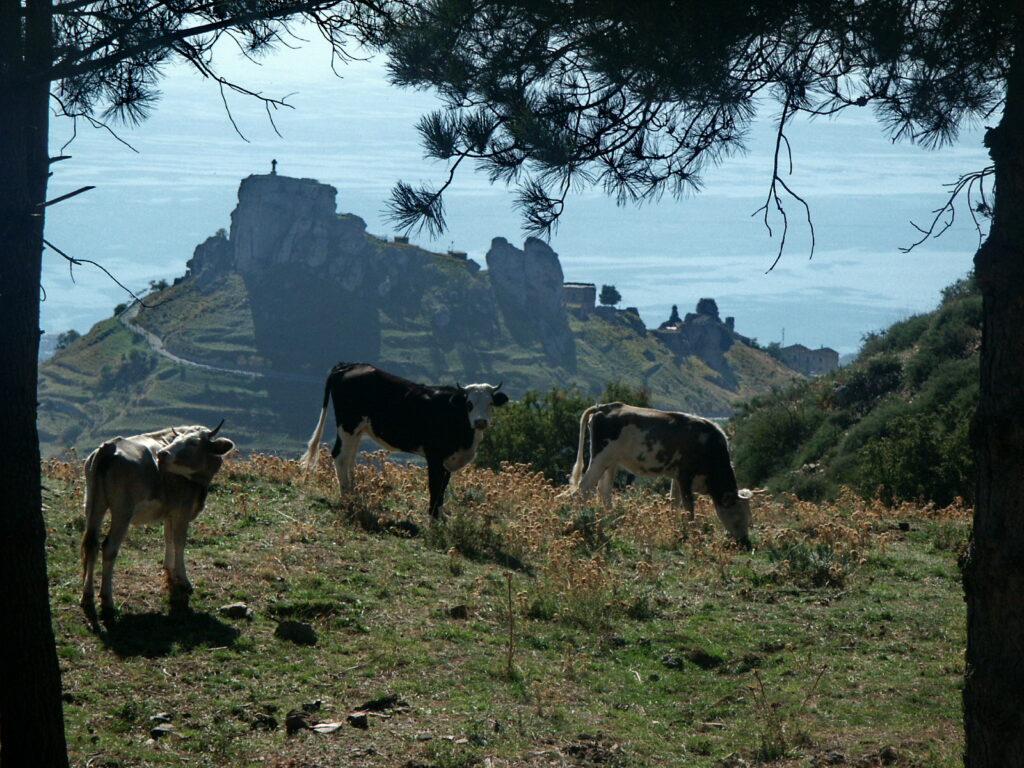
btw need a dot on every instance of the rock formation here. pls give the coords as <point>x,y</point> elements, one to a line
<point>527,286</point>
<point>701,333</point>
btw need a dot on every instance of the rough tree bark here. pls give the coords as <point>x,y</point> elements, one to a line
<point>993,566</point>
<point>31,717</point>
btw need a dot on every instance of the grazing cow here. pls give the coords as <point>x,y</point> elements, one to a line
<point>443,424</point>
<point>690,450</point>
<point>156,477</point>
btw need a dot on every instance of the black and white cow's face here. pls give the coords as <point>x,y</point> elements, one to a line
<point>480,398</point>
<point>196,455</point>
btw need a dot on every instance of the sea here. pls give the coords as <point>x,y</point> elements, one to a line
<point>163,186</point>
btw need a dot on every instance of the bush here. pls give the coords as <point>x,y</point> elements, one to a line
<point>808,564</point>
<point>919,457</point>
<point>542,428</point>
<point>893,424</point>
<point>133,368</point>
<point>770,430</point>
<point>66,338</point>
<point>899,336</point>
<point>619,392</point>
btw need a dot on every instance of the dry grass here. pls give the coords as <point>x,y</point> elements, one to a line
<point>636,636</point>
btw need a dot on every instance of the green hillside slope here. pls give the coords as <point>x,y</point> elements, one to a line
<point>264,310</point>
<point>893,424</point>
<point>110,381</point>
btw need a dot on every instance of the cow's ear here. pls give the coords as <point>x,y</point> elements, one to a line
<point>500,398</point>
<point>221,445</point>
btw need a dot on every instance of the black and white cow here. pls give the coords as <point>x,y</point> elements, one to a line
<point>155,477</point>
<point>443,424</point>
<point>690,450</point>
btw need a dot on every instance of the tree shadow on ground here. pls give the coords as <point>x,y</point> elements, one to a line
<point>159,634</point>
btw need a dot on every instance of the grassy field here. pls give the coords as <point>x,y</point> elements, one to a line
<point>526,630</point>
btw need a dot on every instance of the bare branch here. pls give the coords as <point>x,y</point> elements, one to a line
<point>62,198</point>
<point>970,184</point>
<point>73,262</point>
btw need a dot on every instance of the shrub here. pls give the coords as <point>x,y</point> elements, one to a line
<point>609,296</point>
<point>809,564</point>
<point>770,430</point>
<point>617,391</point>
<point>66,338</point>
<point>920,457</point>
<point>542,428</point>
<point>899,336</point>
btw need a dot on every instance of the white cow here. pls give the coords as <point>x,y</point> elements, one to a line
<point>156,477</point>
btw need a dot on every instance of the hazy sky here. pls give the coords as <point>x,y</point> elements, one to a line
<point>154,205</point>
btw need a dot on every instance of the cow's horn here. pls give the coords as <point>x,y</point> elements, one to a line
<point>499,386</point>
<point>215,430</point>
<point>174,432</point>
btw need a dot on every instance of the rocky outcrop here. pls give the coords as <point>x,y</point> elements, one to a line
<point>282,221</point>
<point>528,288</point>
<point>323,290</point>
<point>703,334</point>
<point>213,257</point>
<point>305,270</point>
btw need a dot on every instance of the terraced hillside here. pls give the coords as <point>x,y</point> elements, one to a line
<point>250,331</point>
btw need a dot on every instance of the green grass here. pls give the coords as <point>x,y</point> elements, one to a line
<point>637,639</point>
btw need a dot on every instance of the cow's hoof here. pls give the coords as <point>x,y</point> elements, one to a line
<point>89,609</point>
<point>179,600</point>
<point>108,613</point>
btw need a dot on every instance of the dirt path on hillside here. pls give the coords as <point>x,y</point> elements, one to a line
<point>157,345</point>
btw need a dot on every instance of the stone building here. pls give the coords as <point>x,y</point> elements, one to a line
<point>580,298</point>
<point>811,362</point>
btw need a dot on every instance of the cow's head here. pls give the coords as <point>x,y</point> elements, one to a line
<point>480,398</point>
<point>734,511</point>
<point>196,454</point>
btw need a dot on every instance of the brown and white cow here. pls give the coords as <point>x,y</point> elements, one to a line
<point>155,477</point>
<point>690,450</point>
<point>443,424</point>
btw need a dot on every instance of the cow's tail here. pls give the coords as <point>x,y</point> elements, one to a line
<point>577,469</point>
<point>94,507</point>
<point>309,458</point>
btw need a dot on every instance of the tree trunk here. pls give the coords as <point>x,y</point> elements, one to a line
<point>31,719</point>
<point>993,566</point>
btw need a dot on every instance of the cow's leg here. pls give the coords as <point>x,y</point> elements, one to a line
<point>437,481</point>
<point>344,453</point>
<point>604,486</point>
<point>599,466</point>
<point>175,534</point>
<point>119,521</point>
<point>682,492</point>
<point>95,509</point>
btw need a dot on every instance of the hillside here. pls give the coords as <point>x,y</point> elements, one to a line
<point>263,312</point>
<point>893,424</point>
<point>621,640</point>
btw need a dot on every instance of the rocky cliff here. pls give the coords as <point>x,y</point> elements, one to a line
<point>322,290</point>
<point>266,308</point>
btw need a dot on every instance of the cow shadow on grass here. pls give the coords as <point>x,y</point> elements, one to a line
<point>437,534</point>
<point>156,634</point>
